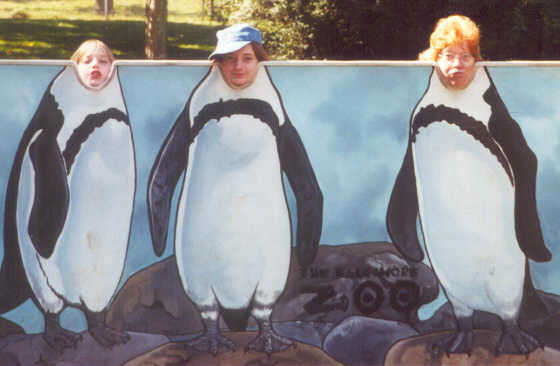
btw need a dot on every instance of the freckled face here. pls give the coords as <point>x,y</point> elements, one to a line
<point>456,66</point>
<point>239,68</point>
<point>94,67</point>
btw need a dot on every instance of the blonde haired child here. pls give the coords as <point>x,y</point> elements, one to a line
<point>94,61</point>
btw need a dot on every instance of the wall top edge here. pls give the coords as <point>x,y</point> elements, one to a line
<point>303,63</point>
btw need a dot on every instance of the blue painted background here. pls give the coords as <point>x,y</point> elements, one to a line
<point>353,121</point>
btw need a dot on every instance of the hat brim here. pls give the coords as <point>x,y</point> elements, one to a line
<point>223,49</point>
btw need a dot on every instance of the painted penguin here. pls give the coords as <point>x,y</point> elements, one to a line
<point>471,176</point>
<point>69,206</point>
<point>233,229</point>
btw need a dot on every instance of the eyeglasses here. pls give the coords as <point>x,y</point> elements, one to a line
<point>465,58</point>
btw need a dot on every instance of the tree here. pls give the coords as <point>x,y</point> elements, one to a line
<point>100,6</point>
<point>394,29</point>
<point>156,29</point>
<point>208,4</point>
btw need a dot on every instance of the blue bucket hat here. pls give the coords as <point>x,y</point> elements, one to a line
<point>234,38</point>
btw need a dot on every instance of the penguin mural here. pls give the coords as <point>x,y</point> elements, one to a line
<point>470,175</point>
<point>69,205</point>
<point>233,229</point>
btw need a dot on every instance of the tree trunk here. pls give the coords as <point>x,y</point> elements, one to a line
<point>100,6</point>
<point>208,4</point>
<point>156,29</point>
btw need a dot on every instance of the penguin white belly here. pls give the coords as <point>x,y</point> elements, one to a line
<point>466,204</point>
<point>233,230</point>
<point>88,259</point>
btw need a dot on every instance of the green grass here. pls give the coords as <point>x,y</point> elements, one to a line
<point>52,29</point>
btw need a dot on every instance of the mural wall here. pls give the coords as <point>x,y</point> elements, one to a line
<point>353,120</point>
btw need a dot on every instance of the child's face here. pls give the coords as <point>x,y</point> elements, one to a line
<point>239,68</point>
<point>94,67</point>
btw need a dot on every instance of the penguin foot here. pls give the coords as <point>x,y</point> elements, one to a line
<point>102,334</point>
<point>516,341</point>
<point>458,342</point>
<point>268,342</point>
<point>211,342</point>
<point>61,339</point>
<point>108,337</point>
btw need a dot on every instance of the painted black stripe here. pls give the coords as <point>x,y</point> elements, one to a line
<point>299,171</point>
<point>524,163</point>
<point>85,129</point>
<point>51,198</point>
<point>454,116</point>
<point>253,107</point>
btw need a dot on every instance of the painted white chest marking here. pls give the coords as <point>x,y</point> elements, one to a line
<point>89,255</point>
<point>76,101</point>
<point>466,205</point>
<point>468,100</point>
<point>233,235</point>
<point>214,89</point>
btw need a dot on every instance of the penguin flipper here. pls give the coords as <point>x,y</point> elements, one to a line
<point>14,287</point>
<point>523,161</point>
<point>299,172</point>
<point>166,171</point>
<point>532,306</point>
<point>51,201</point>
<point>403,211</point>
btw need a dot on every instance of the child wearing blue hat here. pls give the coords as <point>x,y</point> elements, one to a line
<point>233,237</point>
<point>237,54</point>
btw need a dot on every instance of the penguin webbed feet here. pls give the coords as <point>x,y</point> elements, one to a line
<point>514,340</point>
<point>103,334</point>
<point>62,340</point>
<point>457,342</point>
<point>460,341</point>
<point>108,337</point>
<point>57,337</point>
<point>268,341</point>
<point>209,342</point>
